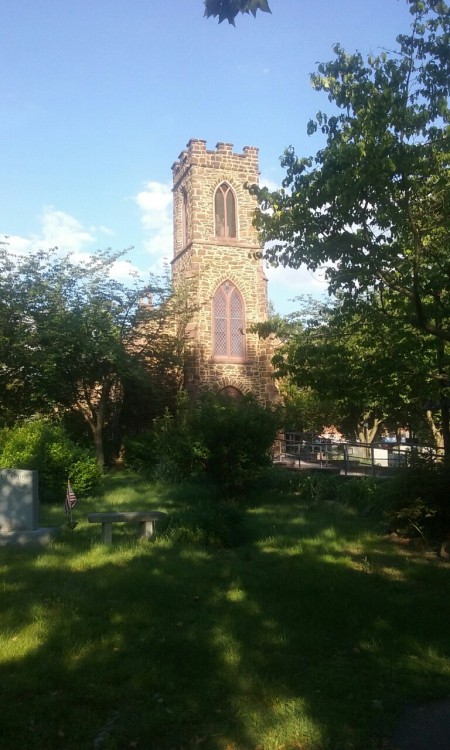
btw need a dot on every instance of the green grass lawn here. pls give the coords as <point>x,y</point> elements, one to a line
<point>311,632</point>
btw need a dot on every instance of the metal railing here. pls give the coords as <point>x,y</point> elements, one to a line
<point>349,458</point>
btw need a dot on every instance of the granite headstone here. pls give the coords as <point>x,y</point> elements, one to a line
<point>19,507</point>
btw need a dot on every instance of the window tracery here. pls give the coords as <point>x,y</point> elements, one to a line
<point>225,211</point>
<point>228,323</point>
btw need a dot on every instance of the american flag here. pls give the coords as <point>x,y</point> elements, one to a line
<point>71,499</point>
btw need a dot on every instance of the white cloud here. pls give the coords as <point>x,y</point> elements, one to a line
<point>287,283</point>
<point>18,245</point>
<point>57,229</point>
<point>298,278</point>
<point>123,270</point>
<point>60,229</point>
<point>268,183</point>
<point>155,205</point>
<point>104,230</point>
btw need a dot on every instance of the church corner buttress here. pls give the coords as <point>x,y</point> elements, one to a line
<point>215,244</point>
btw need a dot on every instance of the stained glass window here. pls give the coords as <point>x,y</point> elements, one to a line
<point>228,322</point>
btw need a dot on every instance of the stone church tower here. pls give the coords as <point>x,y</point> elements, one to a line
<point>214,247</point>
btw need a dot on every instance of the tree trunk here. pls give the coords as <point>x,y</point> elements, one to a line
<point>445,426</point>
<point>92,404</point>
<point>365,432</point>
<point>97,434</point>
<point>443,399</point>
<point>435,431</point>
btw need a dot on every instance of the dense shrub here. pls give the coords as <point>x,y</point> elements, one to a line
<point>237,437</point>
<point>139,453</point>
<point>179,449</point>
<point>361,493</point>
<point>419,499</point>
<point>45,446</point>
<point>225,441</point>
<point>311,487</point>
<point>207,523</point>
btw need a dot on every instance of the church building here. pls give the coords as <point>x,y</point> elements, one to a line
<point>214,253</point>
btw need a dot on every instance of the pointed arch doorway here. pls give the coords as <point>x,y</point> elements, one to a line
<point>230,391</point>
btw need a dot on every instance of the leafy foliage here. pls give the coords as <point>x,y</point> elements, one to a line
<point>305,410</point>
<point>178,451</point>
<point>361,493</point>
<point>418,499</point>
<point>46,447</point>
<point>371,206</point>
<point>225,441</point>
<point>229,9</point>
<point>73,337</point>
<point>352,366</point>
<point>207,523</point>
<point>139,451</point>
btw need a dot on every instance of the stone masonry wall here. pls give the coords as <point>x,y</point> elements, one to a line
<point>207,261</point>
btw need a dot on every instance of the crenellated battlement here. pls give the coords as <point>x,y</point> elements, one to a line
<point>196,154</point>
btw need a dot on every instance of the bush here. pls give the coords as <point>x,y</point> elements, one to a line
<point>139,453</point>
<point>418,500</point>
<point>361,493</point>
<point>45,446</point>
<point>225,441</point>
<point>315,487</point>
<point>179,450</point>
<point>311,487</point>
<point>209,524</point>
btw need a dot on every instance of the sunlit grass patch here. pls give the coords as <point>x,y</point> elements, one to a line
<point>291,637</point>
<point>20,641</point>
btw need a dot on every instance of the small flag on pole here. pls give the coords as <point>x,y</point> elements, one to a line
<point>70,499</point>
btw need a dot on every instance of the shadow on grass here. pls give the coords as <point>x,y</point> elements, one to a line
<point>299,638</point>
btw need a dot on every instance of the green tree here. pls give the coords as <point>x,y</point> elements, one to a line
<point>372,205</point>
<point>355,367</point>
<point>304,409</point>
<point>73,338</point>
<point>229,9</point>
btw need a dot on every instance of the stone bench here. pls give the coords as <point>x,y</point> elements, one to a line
<point>145,519</point>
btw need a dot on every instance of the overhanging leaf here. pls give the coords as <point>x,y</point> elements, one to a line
<point>229,9</point>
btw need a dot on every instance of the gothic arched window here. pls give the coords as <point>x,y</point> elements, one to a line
<point>228,323</point>
<point>225,211</point>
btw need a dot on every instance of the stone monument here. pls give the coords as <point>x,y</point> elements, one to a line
<point>19,509</point>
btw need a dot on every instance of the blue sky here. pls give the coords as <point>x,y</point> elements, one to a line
<point>99,97</point>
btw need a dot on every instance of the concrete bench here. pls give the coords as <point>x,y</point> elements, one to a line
<point>145,519</point>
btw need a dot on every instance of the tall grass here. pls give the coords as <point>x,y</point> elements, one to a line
<point>285,624</point>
